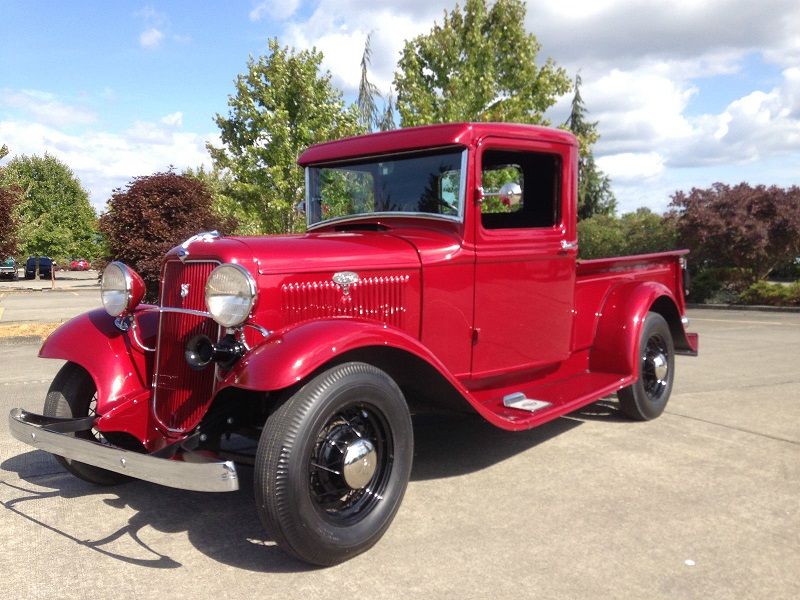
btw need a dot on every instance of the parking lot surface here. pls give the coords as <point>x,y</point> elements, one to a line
<point>700,503</point>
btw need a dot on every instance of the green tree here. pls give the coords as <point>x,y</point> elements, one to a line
<point>594,187</point>
<point>478,65</point>
<point>56,218</point>
<point>3,151</point>
<point>153,214</point>
<point>282,105</point>
<point>638,232</point>
<point>370,117</point>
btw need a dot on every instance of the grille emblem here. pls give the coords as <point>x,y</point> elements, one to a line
<point>184,290</point>
<point>344,279</point>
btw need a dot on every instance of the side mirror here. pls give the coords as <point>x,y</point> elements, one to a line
<point>511,194</point>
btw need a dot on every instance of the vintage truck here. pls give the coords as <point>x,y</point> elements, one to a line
<point>439,270</point>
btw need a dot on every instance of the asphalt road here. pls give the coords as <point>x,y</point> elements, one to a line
<point>37,300</point>
<point>700,503</point>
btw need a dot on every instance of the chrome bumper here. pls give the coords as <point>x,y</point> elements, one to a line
<point>197,476</point>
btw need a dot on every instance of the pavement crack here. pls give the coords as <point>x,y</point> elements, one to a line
<point>735,428</point>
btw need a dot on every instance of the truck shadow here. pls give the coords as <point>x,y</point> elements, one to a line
<point>225,526</point>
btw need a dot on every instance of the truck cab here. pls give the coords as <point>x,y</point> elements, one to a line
<point>439,269</point>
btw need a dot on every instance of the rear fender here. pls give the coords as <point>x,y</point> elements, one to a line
<point>620,323</point>
<point>120,369</point>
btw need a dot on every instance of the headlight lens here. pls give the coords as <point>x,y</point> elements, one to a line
<point>115,288</point>
<point>230,294</point>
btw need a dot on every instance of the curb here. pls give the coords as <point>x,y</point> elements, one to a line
<point>20,340</point>
<point>746,307</point>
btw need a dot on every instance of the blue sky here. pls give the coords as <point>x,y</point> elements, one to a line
<point>686,92</point>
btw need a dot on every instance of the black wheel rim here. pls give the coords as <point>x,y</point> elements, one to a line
<point>332,496</point>
<point>656,368</point>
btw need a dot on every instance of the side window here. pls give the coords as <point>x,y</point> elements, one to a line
<point>521,189</point>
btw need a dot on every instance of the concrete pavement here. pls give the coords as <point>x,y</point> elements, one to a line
<point>700,503</point>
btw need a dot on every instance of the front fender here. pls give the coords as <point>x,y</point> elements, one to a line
<point>616,342</point>
<point>120,369</point>
<point>289,356</point>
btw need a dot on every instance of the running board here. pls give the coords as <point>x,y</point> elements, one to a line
<point>537,403</point>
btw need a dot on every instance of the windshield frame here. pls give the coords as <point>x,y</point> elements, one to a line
<point>462,189</point>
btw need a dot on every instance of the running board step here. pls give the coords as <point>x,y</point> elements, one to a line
<point>519,401</point>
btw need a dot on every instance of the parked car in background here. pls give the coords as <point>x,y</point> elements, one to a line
<point>79,264</point>
<point>46,266</point>
<point>30,267</point>
<point>8,269</point>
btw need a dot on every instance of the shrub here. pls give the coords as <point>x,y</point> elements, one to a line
<point>771,294</point>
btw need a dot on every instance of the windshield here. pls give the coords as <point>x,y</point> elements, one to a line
<point>429,183</point>
<point>9,262</point>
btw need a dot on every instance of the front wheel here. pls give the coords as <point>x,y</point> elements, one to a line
<point>647,397</point>
<point>333,464</point>
<point>73,395</point>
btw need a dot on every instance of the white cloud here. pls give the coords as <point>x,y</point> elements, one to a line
<point>340,28</point>
<point>279,10</point>
<point>45,107</point>
<point>628,166</point>
<point>103,160</point>
<point>173,119</point>
<point>151,38</point>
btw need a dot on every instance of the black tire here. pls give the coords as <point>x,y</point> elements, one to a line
<point>73,394</point>
<point>648,396</point>
<point>302,492</point>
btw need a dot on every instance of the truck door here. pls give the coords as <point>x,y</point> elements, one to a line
<point>525,256</point>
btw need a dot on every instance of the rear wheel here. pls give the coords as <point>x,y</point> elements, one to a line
<point>333,464</point>
<point>647,397</point>
<point>74,395</point>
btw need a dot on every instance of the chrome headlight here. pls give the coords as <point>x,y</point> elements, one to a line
<point>230,294</point>
<point>121,289</point>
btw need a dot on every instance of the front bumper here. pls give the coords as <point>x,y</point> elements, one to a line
<point>197,476</point>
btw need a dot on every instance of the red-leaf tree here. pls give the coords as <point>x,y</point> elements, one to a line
<point>9,199</point>
<point>753,229</point>
<point>153,214</point>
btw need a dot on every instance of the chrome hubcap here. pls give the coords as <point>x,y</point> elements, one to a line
<point>360,461</point>
<point>660,367</point>
<point>655,368</point>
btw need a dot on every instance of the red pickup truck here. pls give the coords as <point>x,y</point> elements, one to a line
<point>439,269</point>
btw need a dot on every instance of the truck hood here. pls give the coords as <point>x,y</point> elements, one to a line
<point>303,253</point>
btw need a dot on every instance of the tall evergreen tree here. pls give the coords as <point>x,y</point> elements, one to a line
<point>370,117</point>
<point>594,187</point>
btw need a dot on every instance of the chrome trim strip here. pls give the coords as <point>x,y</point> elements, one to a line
<point>196,476</point>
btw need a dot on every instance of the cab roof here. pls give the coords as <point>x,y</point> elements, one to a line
<point>428,136</point>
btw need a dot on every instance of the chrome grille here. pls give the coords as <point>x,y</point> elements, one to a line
<point>380,299</point>
<point>181,395</point>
